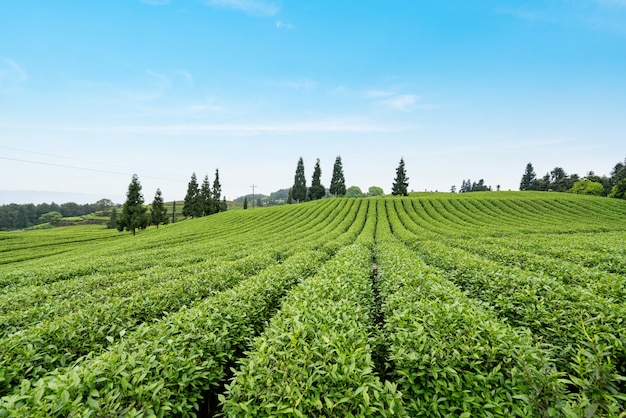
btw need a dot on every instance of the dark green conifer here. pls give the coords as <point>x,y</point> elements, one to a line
<point>338,182</point>
<point>299,190</point>
<point>401,182</point>
<point>134,214</point>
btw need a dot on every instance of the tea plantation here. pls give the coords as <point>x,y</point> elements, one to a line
<point>493,304</point>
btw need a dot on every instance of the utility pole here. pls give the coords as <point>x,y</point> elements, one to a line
<point>253,186</point>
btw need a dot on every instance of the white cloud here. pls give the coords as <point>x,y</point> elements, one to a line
<point>13,69</point>
<point>304,85</point>
<point>404,102</point>
<point>186,75</point>
<point>259,8</point>
<point>283,25</point>
<point>379,93</point>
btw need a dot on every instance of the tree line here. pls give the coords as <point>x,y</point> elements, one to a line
<point>200,200</point>
<point>299,192</point>
<point>558,180</point>
<point>20,216</point>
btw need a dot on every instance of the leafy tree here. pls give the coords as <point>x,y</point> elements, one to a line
<point>544,184</point>
<point>217,193</point>
<point>259,202</point>
<point>70,209</point>
<point>22,218</point>
<point>354,191</point>
<point>603,180</point>
<point>480,186</point>
<point>299,190</point>
<point>338,182</point>
<point>560,181</point>
<point>104,205</point>
<point>401,182</point>
<point>245,202</point>
<point>619,190</point>
<point>375,191</point>
<point>134,214</point>
<point>587,187</point>
<point>112,222</point>
<point>206,197</point>
<point>317,191</point>
<point>50,217</point>
<point>158,211</point>
<point>618,173</point>
<point>192,206</point>
<point>529,179</point>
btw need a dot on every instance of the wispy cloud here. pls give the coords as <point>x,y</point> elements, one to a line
<point>258,8</point>
<point>13,69</point>
<point>238,129</point>
<point>156,2</point>
<point>283,25</point>
<point>403,102</point>
<point>186,75</point>
<point>303,85</point>
<point>379,93</point>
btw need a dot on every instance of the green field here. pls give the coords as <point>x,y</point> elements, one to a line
<point>477,304</point>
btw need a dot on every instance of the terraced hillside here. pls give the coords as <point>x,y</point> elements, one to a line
<point>482,304</point>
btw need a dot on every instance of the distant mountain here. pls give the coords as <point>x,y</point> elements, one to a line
<point>39,196</point>
<point>277,197</point>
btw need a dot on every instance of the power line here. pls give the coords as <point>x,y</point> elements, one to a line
<point>81,168</point>
<point>60,156</point>
<point>253,186</point>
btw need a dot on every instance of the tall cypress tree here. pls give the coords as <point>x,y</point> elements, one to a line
<point>206,197</point>
<point>192,205</point>
<point>158,211</point>
<point>317,190</point>
<point>217,192</point>
<point>338,182</point>
<point>134,214</point>
<point>299,190</point>
<point>401,182</point>
<point>529,179</point>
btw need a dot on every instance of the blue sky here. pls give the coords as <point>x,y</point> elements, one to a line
<point>92,92</point>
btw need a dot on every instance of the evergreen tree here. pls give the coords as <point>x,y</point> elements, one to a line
<point>192,206</point>
<point>619,190</point>
<point>158,212</point>
<point>299,190</point>
<point>618,173</point>
<point>217,192</point>
<point>21,221</point>
<point>259,202</point>
<point>224,205</point>
<point>317,191</point>
<point>338,182</point>
<point>289,197</point>
<point>206,197</point>
<point>174,212</point>
<point>134,214</point>
<point>245,202</point>
<point>401,182</point>
<point>529,179</point>
<point>112,223</point>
